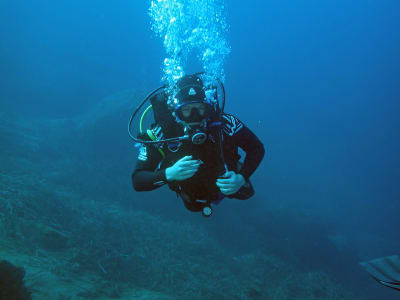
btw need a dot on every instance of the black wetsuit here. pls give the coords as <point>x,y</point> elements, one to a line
<point>149,173</point>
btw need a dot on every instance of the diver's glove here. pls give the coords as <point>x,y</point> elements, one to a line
<point>183,169</point>
<point>230,183</point>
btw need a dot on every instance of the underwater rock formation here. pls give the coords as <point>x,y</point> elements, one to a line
<point>11,282</point>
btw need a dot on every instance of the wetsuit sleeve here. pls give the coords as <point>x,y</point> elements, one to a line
<point>147,176</point>
<point>248,141</point>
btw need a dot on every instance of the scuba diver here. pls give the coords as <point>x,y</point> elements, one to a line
<point>193,147</point>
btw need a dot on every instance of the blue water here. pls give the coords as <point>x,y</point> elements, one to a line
<point>318,82</point>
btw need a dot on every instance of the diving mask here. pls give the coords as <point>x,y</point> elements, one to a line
<point>193,112</point>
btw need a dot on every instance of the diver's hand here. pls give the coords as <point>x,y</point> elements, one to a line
<point>230,183</point>
<point>183,169</point>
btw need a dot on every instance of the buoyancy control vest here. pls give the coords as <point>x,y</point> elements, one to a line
<point>202,184</point>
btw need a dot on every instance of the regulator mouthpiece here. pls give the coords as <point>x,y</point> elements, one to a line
<point>199,138</point>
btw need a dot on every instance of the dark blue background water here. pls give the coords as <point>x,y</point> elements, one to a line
<point>317,81</point>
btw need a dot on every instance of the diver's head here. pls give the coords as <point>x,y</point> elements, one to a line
<point>191,106</point>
